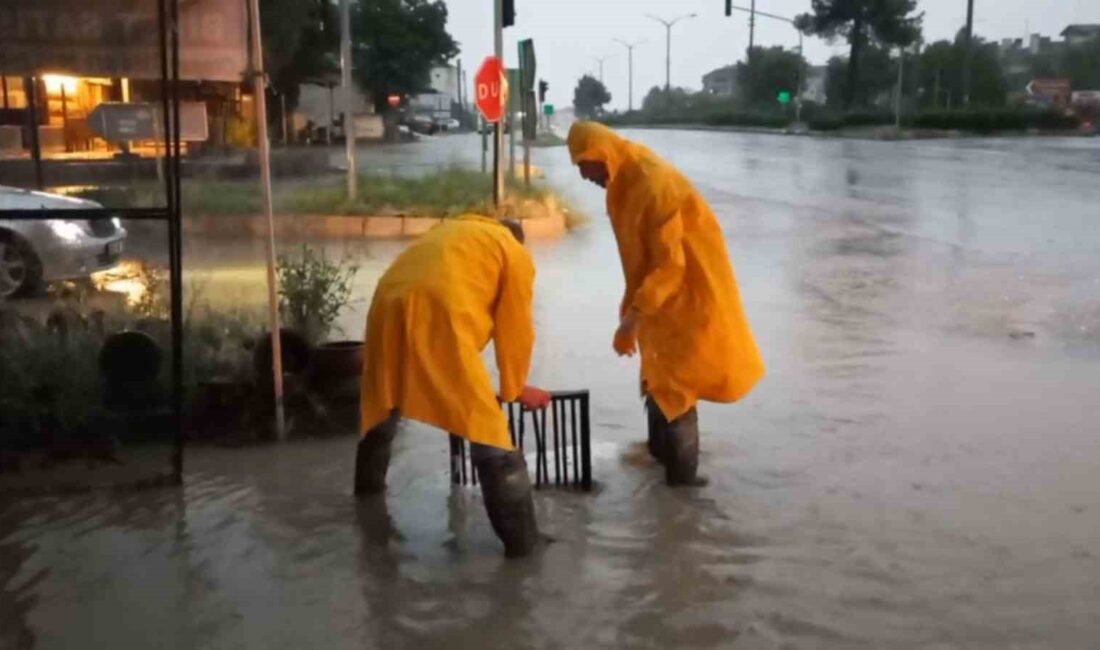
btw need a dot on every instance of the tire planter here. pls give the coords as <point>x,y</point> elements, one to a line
<point>336,368</point>
<point>334,376</point>
<point>130,364</point>
<point>296,354</point>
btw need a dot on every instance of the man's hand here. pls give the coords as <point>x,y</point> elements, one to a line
<point>626,337</point>
<point>534,398</point>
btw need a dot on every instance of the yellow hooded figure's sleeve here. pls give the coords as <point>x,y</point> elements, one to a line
<point>514,329</point>
<point>665,245</point>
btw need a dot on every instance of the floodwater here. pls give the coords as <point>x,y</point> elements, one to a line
<point>919,469</point>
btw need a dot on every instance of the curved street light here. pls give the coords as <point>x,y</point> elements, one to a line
<point>630,63</point>
<point>668,43</point>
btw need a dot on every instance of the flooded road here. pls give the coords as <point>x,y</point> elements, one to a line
<point>920,468</point>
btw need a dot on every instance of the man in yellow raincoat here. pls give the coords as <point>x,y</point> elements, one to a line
<point>681,307</point>
<point>434,310</point>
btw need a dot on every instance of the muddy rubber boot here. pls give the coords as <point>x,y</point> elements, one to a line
<point>372,459</point>
<point>657,440</point>
<point>506,488</point>
<point>682,452</point>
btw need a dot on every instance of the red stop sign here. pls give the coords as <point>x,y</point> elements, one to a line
<point>492,89</point>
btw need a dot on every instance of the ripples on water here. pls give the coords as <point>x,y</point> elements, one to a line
<point>908,475</point>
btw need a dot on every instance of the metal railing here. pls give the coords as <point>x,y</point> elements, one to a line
<point>562,438</point>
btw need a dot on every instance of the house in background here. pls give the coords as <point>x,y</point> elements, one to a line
<point>721,82</point>
<point>1080,34</point>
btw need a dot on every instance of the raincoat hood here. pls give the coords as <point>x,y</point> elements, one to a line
<point>594,141</point>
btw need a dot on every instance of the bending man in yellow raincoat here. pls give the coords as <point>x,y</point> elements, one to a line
<point>465,281</point>
<point>681,305</point>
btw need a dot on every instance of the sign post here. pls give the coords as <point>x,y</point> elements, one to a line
<point>498,137</point>
<point>527,65</point>
<point>492,92</point>
<point>259,99</point>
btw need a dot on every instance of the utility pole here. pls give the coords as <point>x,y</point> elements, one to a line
<point>630,66</point>
<point>458,88</point>
<point>901,77</point>
<point>260,101</point>
<point>669,24</point>
<point>498,135</point>
<point>349,102</point>
<point>968,60</point>
<point>752,32</point>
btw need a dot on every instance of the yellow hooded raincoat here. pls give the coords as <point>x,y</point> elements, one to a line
<point>434,311</point>
<point>694,339</point>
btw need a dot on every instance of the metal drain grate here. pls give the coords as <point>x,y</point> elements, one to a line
<point>562,439</point>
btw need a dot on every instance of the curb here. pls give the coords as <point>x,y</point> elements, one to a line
<point>551,225</point>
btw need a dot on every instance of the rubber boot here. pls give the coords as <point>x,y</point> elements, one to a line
<point>506,488</point>
<point>682,452</point>
<point>657,440</point>
<point>372,458</point>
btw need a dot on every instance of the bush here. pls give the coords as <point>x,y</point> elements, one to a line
<point>313,291</point>
<point>993,120</point>
<point>831,121</point>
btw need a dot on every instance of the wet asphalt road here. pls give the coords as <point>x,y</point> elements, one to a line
<point>919,469</point>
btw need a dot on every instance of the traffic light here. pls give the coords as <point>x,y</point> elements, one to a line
<point>729,7</point>
<point>543,87</point>
<point>509,13</point>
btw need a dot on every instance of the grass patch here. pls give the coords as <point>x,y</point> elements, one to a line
<point>442,194</point>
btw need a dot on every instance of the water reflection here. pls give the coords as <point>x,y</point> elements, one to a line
<point>868,494</point>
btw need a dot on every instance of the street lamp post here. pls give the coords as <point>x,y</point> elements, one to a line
<point>668,44</point>
<point>600,60</point>
<point>630,65</point>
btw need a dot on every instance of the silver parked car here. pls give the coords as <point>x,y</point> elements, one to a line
<point>33,253</point>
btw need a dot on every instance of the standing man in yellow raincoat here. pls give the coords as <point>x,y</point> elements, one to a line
<point>465,281</point>
<point>681,307</point>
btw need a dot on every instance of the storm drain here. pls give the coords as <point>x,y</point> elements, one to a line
<point>562,439</point>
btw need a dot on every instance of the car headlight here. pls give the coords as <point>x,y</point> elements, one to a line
<point>67,231</point>
<point>117,223</point>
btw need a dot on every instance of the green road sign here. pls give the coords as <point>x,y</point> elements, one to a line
<point>547,109</point>
<point>527,64</point>
<point>784,97</point>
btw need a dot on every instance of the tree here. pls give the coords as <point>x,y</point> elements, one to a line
<point>773,70</point>
<point>941,74</point>
<point>1081,65</point>
<point>676,99</point>
<point>300,39</point>
<point>396,43</point>
<point>590,96</point>
<point>862,22</point>
<point>878,78</point>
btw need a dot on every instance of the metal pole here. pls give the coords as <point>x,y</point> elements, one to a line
<point>752,30</point>
<point>484,131</point>
<point>801,82</point>
<point>668,59</point>
<point>498,136</point>
<point>175,239</point>
<point>349,103</point>
<point>669,24</point>
<point>269,212</point>
<point>968,60</point>
<point>282,113</point>
<point>630,70</point>
<point>331,113</point>
<point>901,76</point>
<point>30,87</point>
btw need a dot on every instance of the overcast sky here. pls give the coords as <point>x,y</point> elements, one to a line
<point>570,34</point>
